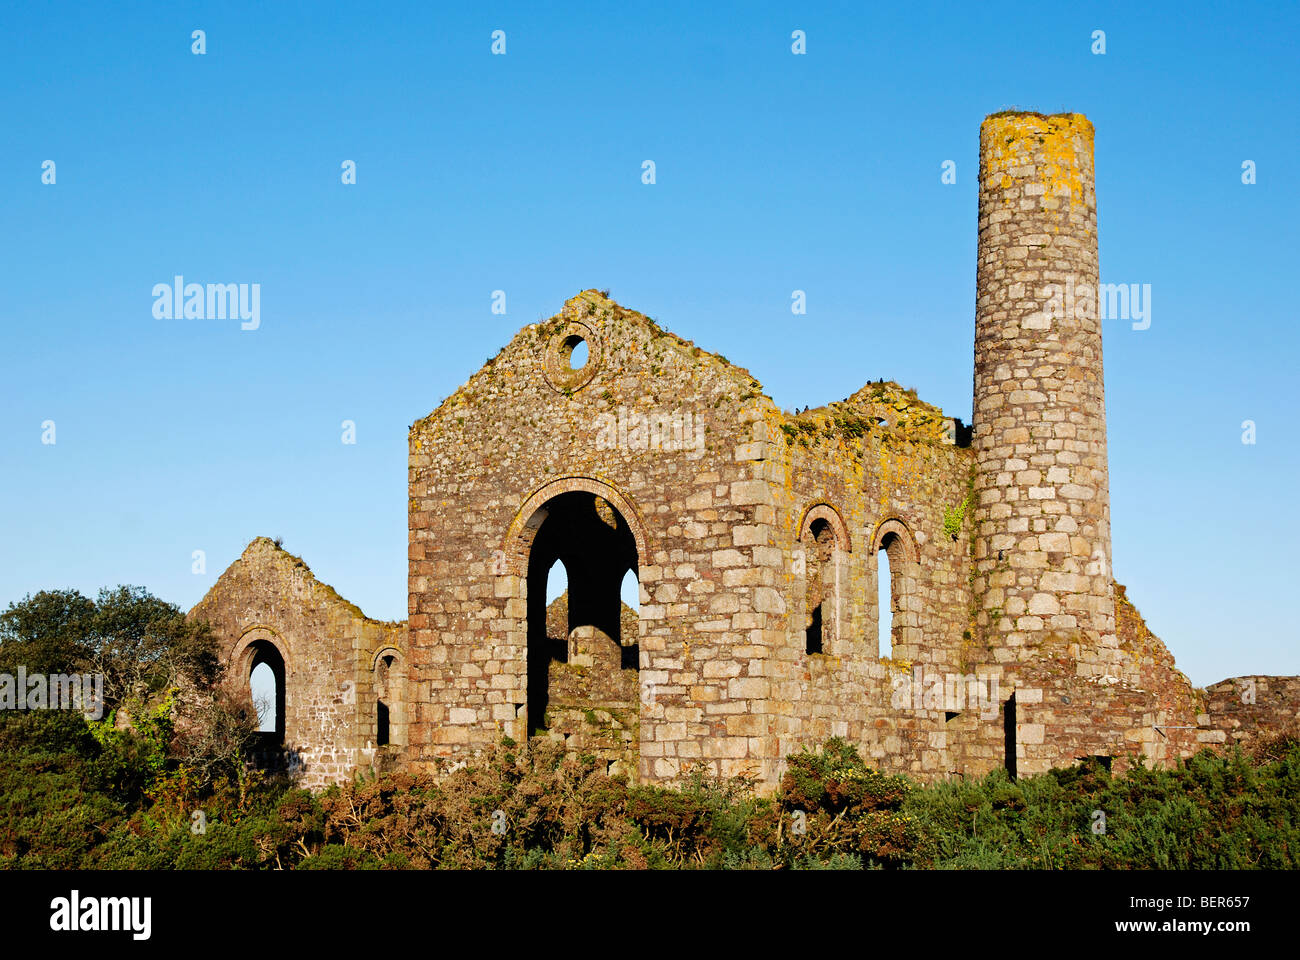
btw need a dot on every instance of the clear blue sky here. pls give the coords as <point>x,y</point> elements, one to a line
<point>522,172</point>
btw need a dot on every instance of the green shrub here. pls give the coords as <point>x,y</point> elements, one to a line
<point>73,795</point>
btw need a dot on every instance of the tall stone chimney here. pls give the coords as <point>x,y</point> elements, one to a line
<point>1042,490</point>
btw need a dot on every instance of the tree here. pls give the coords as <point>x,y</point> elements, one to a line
<point>143,645</point>
<point>47,633</point>
<point>151,658</point>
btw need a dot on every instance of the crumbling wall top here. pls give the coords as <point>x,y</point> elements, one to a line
<point>265,559</point>
<point>883,408</point>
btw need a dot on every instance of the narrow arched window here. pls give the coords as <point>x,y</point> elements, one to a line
<point>261,683</point>
<point>885,603</point>
<point>629,618</point>
<point>897,579</point>
<point>557,611</point>
<point>390,699</point>
<point>823,545</point>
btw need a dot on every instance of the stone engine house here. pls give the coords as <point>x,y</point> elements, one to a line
<point>756,538</point>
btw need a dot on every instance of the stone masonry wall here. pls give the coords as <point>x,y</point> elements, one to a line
<point>650,424</point>
<point>885,464</point>
<point>594,698</point>
<point>1243,710</point>
<point>329,649</point>
<point>755,535</point>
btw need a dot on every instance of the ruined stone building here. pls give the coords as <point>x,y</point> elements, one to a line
<point>757,536</point>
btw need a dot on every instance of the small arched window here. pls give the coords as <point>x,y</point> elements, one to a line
<point>390,699</point>
<point>897,606</point>
<point>884,603</point>
<point>823,544</point>
<point>629,633</point>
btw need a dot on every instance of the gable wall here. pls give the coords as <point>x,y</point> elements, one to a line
<point>329,649</point>
<point>513,437</point>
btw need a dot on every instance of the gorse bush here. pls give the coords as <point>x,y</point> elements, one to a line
<point>1213,812</point>
<point>536,809</point>
<point>171,790</point>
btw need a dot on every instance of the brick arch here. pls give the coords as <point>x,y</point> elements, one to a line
<point>241,651</point>
<point>528,519</point>
<point>386,648</point>
<point>821,510</point>
<point>528,548</point>
<point>820,589</point>
<point>895,538</point>
<point>239,669</point>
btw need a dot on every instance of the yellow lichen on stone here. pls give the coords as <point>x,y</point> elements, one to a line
<point>1052,145</point>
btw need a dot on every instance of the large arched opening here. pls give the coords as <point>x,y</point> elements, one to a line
<point>582,642</point>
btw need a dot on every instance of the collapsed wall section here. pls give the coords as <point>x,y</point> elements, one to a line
<point>1249,711</point>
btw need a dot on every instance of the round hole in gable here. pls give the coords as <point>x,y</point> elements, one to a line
<point>572,357</point>
<point>576,348</point>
